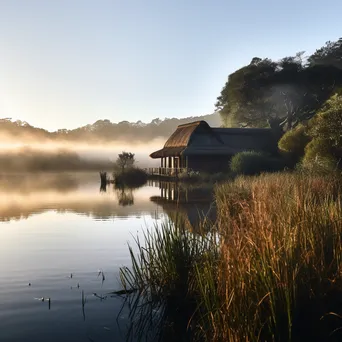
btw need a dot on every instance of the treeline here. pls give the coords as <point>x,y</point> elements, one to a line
<point>30,160</point>
<point>300,96</point>
<point>102,131</point>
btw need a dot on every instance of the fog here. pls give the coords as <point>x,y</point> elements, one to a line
<point>45,155</point>
<point>92,147</point>
<point>24,195</point>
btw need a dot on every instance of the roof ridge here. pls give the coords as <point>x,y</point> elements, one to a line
<point>193,123</point>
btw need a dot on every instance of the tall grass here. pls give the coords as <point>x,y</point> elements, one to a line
<point>280,270</point>
<point>163,275</point>
<point>271,271</point>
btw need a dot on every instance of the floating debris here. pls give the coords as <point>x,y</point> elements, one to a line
<point>123,292</point>
<point>99,296</point>
<point>41,299</point>
<point>78,286</point>
<point>101,273</point>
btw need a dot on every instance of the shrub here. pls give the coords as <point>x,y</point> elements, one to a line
<point>251,163</point>
<point>318,156</point>
<point>294,141</point>
<point>324,151</point>
<point>132,177</point>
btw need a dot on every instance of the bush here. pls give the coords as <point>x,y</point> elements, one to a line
<point>132,177</point>
<point>252,163</point>
<point>318,156</point>
<point>324,151</point>
<point>294,141</point>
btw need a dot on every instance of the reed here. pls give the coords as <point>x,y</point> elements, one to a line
<point>270,269</point>
<point>163,275</point>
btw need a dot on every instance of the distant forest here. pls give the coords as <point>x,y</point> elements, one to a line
<point>102,131</point>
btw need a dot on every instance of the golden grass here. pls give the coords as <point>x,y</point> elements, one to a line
<point>272,272</point>
<point>280,258</point>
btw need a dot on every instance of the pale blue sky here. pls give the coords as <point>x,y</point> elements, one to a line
<point>66,63</point>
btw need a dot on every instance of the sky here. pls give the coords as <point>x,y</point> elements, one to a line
<point>68,63</point>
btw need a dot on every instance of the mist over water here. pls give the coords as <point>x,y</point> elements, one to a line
<point>34,155</point>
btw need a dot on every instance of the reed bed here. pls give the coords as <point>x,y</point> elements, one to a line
<point>270,269</point>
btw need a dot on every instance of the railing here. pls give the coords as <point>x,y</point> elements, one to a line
<point>166,171</point>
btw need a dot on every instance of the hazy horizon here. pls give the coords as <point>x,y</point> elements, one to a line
<point>69,63</point>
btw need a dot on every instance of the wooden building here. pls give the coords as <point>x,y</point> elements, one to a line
<point>199,147</point>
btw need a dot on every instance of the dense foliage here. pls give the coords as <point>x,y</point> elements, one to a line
<point>293,142</point>
<point>252,163</point>
<point>281,93</point>
<point>318,144</point>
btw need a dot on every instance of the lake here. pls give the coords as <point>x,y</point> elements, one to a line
<point>61,235</point>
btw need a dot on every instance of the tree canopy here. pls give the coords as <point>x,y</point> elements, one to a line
<point>284,92</point>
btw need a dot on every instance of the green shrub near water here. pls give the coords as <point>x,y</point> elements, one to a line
<point>272,272</point>
<point>252,163</point>
<point>132,177</point>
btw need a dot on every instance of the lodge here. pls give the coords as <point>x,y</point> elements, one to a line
<point>199,147</point>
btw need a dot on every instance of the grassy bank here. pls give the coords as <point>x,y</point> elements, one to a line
<point>270,270</point>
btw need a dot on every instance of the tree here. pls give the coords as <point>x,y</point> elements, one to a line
<point>327,125</point>
<point>290,90</point>
<point>125,161</point>
<point>329,54</point>
<point>324,151</point>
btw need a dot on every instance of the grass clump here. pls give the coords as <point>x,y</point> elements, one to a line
<point>164,275</point>
<point>270,269</point>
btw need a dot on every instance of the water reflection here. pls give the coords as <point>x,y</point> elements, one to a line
<point>59,255</point>
<point>124,195</point>
<point>23,195</point>
<point>193,205</point>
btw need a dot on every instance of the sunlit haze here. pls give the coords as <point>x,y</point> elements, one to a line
<point>68,63</point>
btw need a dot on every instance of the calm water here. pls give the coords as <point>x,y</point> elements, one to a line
<point>54,226</point>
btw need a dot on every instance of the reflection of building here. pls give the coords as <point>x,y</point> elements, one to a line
<point>197,146</point>
<point>193,206</point>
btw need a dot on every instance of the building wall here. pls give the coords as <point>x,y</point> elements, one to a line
<point>209,163</point>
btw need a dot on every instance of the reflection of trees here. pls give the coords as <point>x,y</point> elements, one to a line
<point>124,195</point>
<point>21,197</point>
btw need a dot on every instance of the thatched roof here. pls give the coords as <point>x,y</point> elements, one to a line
<point>198,138</point>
